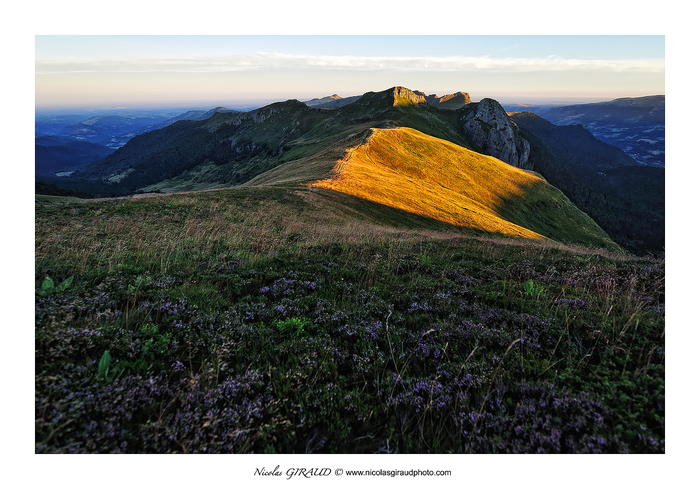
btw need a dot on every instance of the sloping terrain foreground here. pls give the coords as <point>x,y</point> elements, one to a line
<point>290,319</point>
<point>414,172</point>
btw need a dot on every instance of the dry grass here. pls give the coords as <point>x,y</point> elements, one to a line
<point>406,169</point>
<point>102,235</point>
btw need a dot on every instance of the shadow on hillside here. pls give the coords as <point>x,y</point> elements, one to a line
<point>550,213</point>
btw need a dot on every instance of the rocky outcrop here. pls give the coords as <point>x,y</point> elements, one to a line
<point>399,96</point>
<point>492,130</point>
<point>455,101</point>
<point>402,96</point>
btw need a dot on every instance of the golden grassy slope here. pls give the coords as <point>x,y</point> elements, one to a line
<point>417,173</point>
<point>409,170</point>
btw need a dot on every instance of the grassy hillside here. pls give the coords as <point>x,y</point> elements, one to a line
<point>409,170</point>
<point>296,319</point>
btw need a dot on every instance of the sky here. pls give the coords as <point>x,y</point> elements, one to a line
<point>244,70</point>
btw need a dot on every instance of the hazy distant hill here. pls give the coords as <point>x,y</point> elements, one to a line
<point>113,129</point>
<point>636,125</point>
<point>53,154</point>
<point>191,115</point>
<point>101,129</point>
<point>53,125</point>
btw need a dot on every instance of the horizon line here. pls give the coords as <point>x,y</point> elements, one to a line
<point>254,103</point>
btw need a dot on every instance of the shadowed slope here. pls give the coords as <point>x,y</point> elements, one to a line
<point>412,171</point>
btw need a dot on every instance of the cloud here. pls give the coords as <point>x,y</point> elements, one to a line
<point>268,61</point>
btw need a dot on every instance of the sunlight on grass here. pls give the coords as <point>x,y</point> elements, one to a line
<point>409,170</point>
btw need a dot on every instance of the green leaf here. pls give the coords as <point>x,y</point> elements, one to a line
<point>64,285</point>
<point>103,372</point>
<point>103,367</point>
<point>47,286</point>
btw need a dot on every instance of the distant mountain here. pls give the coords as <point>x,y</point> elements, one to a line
<point>290,143</point>
<point>453,101</point>
<point>53,154</point>
<point>235,147</point>
<point>330,102</point>
<point>113,130</point>
<point>635,125</point>
<point>191,115</point>
<point>101,129</point>
<point>53,125</point>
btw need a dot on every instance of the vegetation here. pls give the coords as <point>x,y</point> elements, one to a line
<point>627,200</point>
<point>53,154</point>
<point>45,189</point>
<point>407,169</point>
<point>287,319</point>
<point>370,285</point>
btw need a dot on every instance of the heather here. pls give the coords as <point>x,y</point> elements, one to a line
<point>244,322</point>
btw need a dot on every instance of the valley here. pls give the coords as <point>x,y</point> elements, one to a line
<point>635,125</point>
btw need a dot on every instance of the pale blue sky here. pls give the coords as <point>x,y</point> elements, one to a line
<point>93,71</point>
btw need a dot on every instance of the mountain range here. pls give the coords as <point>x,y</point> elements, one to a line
<point>112,130</point>
<point>64,143</point>
<point>467,164</point>
<point>452,101</point>
<point>635,125</point>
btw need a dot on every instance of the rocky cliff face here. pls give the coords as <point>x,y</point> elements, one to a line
<point>402,95</point>
<point>492,130</point>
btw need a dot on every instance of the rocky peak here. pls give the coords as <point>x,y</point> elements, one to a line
<point>453,101</point>
<point>401,96</point>
<point>493,131</point>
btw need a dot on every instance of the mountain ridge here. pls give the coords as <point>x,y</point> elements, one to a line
<point>451,101</point>
<point>293,143</point>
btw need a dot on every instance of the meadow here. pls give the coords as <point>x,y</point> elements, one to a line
<point>287,320</point>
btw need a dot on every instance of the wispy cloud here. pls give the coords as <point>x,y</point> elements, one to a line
<point>266,61</point>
